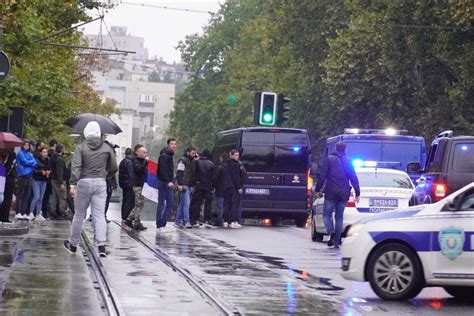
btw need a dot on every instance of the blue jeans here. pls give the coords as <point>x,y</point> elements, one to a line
<point>39,187</point>
<point>183,208</point>
<point>328,208</point>
<point>165,203</point>
<point>220,209</point>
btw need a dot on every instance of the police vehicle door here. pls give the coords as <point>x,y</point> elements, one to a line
<point>452,244</point>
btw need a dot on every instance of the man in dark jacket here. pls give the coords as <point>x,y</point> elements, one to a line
<point>204,187</point>
<point>165,183</point>
<point>140,162</point>
<point>9,159</point>
<point>58,205</point>
<point>219,186</point>
<point>233,189</point>
<point>126,184</point>
<point>336,177</point>
<point>185,176</point>
<point>49,190</point>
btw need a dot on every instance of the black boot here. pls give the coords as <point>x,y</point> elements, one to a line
<point>332,237</point>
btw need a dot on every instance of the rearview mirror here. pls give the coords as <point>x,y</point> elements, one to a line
<point>313,171</point>
<point>414,167</point>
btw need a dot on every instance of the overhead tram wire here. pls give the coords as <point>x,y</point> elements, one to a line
<point>343,23</point>
<point>166,8</point>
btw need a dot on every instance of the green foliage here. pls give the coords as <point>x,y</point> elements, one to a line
<point>154,77</point>
<point>357,63</point>
<point>52,83</point>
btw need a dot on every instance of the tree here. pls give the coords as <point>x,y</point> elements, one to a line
<point>52,83</point>
<point>154,77</point>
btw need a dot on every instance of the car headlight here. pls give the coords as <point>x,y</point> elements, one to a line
<point>354,230</point>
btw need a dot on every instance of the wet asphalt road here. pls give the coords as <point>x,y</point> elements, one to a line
<point>254,270</point>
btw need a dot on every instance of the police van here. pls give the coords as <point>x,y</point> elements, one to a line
<point>388,148</point>
<point>402,251</point>
<point>277,160</point>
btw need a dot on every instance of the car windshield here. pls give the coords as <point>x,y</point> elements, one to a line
<point>384,180</point>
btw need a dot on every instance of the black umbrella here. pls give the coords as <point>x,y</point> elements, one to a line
<point>79,122</point>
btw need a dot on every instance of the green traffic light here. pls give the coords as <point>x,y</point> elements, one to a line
<point>267,117</point>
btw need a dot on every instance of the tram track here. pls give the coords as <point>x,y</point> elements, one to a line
<point>109,299</point>
<point>221,305</point>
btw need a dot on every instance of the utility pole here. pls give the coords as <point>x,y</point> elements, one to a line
<point>1,32</point>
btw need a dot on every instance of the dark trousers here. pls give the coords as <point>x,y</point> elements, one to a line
<point>231,204</point>
<point>47,194</point>
<point>128,202</point>
<point>23,195</point>
<point>199,197</point>
<point>7,200</point>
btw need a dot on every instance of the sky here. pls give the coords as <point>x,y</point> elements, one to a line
<point>161,28</point>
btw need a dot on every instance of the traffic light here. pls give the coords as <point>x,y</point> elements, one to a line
<point>282,108</point>
<point>266,107</point>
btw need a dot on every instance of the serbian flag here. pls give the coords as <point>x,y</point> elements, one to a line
<point>150,188</point>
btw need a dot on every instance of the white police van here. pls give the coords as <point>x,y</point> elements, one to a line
<point>402,251</point>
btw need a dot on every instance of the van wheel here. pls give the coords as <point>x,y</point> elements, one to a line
<point>315,236</point>
<point>461,292</point>
<point>395,273</point>
<point>301,221</point>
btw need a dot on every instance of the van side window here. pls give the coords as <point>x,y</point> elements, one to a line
<point>463,160</point>
<point>429,161</point>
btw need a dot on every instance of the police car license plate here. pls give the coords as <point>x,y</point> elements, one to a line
<point>393,203</point>
<point>257,191</point>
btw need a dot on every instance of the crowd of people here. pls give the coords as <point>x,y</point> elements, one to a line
<point>37,177</point>
<point>196,179</point>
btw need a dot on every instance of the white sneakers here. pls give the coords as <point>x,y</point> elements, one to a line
<point>31,217</point>
<point>235,225</point>
<point>40,218</point>
<point>232,225</point>
<point>20,216</point>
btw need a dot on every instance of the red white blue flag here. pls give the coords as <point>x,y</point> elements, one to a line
<point>150,188</point>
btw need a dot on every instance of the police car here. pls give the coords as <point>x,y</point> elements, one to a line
<point>401,252</point>
<point>381,190</point>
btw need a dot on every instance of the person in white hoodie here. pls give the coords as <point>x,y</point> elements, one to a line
<point>92,163</point>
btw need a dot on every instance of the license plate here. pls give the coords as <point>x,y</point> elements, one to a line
<point>384,202</point>
<point>379,209</point>
<point>257,191</point>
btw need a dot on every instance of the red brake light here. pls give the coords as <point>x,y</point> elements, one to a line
<point>440,191</point>
<point>351,202</point>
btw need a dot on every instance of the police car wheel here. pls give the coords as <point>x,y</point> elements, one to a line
<point>395,273</point>
<point>315,236</point>
<point>461,292</point>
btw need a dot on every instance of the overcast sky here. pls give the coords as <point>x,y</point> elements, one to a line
<point>161,28</point>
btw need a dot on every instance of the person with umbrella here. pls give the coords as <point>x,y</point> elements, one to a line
<point>92,162</point>
<point>8,142</point>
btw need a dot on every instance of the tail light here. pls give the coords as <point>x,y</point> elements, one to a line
<point>351,202</point>
<point>440,191</point>
<point>309,184</point>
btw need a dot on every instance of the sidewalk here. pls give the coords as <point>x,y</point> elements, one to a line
<point>45,279</point>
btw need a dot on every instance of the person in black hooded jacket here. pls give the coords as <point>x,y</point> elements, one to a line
<point>126,184</point>
<point>204,187</point>
<point>165,183</point>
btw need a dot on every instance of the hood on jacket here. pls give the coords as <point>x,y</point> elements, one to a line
<point>167,151</point>
<point>92,129</point>
<point>94,143</point>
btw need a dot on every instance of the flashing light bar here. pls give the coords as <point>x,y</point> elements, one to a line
<point>389,131</point>
<point>359,163</point>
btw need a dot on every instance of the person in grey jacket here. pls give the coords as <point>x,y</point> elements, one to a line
<point>92,163</point>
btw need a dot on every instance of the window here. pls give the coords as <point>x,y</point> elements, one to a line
<point>258,158</point>
<point>291,159</point>
<point>364,150</point>
<point>384,180</point>
<point>430,159</point>
<point>258,138</point>
<point>464,158</point>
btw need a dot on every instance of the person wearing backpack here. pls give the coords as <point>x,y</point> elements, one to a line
<point>336,179</point>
